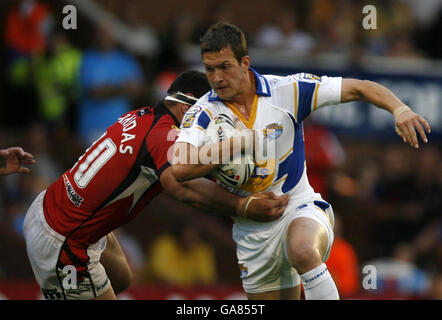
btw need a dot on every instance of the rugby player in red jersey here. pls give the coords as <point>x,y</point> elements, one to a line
<point>68,228</point>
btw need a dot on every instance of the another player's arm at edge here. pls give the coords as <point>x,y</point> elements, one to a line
<point>406,121</point>
<point>207,195</point>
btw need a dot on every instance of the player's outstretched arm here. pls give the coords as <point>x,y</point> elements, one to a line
<point>407,122</point>
<point>207,195</point>
<point>13,159</point>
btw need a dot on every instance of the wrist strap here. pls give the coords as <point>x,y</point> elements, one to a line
<point>400,110</point>
<point>247,205</point>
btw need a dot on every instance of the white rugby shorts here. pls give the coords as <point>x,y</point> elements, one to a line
<point>261,247</point>
<point>43,246</point>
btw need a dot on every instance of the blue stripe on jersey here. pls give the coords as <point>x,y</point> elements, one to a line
<point>306,90</point>
<point>293,165</point>
<point>203,120</point>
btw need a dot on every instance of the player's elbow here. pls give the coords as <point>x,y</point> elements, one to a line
<point>180,172</point>
<point>354,89</point>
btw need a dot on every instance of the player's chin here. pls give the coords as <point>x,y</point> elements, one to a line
<point>223,93</point>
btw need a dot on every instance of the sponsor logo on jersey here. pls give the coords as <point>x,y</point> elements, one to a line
<point>223,118</point>
<point>307,76</point>
<point>273,131</point>
<point>72,195</point>
<point>190,116</point>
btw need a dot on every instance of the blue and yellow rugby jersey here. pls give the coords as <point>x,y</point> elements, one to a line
<point>279,107</point>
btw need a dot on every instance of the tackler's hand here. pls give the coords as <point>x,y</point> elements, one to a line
<point>13,159</point>
<point>263,207</point>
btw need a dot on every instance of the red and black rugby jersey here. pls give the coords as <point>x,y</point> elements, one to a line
<point>115,178</point>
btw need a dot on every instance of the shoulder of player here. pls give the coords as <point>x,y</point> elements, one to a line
<point>280,81</point>
<point>163,133</point>
<point>165,122</point>
<point>205,105</point>
<point>280,84</point>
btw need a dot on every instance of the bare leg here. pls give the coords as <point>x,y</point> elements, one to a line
<point>116,265</point>
<point>307,243</point>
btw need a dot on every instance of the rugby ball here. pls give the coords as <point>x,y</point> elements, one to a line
<point>238,171</point>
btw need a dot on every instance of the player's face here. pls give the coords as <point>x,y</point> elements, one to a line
<point>225,74</point>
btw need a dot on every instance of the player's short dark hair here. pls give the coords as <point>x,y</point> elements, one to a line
<point>222,35</point>
<point>193,82</point>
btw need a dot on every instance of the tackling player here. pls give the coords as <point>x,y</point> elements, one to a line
<point>69,225</point>
<point>273,258</point>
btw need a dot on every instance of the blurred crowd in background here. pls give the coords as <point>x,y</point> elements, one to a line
<point>60,89</point>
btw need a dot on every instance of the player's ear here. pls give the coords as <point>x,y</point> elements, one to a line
<point>184,107</point>
<point>245,62</point>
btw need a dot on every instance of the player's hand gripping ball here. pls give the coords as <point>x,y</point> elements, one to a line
<point>238,171</point>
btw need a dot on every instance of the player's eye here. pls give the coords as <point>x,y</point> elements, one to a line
<point>209,69</point>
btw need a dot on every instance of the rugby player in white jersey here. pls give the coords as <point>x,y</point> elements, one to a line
<point>275,257</point>
<point>68,228</point>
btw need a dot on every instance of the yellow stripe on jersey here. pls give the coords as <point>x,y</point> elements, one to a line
<point>315,101</point>
<point>295,85</point>
<point>250,122</point>
<point>209,113</point>
<point>285,156</point>
<point>201,128</point>
<point>263,177</point>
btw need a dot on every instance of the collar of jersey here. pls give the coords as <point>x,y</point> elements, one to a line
<point>262,87</point>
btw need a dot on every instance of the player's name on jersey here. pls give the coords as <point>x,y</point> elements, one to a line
<point>129,123</point>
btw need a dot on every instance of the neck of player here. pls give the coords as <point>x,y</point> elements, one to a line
<point>244,99</point>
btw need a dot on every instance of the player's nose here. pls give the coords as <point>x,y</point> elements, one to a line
<point>217,76</point>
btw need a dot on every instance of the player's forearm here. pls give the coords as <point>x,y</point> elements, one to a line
<point>371,92</point>
<point>407,122</point>
<point>207,195</point>
<point>185,172</point>
<point>190,162</point>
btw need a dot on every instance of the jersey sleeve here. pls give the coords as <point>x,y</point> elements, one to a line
<point>303,93</point>
<point>194,125</point>
<point>160,143</point>
<point>313,92</point>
